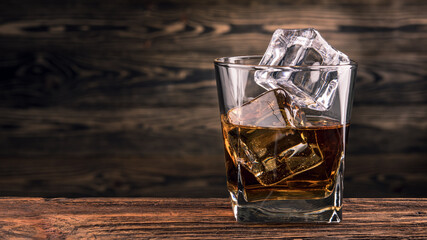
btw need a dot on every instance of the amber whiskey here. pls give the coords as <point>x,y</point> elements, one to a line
<point>274,160</point>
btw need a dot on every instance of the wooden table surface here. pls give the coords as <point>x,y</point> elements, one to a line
<point>197,218</point>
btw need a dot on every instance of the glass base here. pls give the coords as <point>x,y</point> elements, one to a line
<point>325,210</point>
<point>281,211</point>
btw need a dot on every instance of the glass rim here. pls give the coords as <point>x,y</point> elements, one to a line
<point>225,61</point>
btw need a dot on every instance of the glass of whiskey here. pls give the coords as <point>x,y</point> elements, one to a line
<point>284,160</point>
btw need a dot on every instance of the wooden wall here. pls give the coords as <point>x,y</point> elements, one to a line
<point>118,98</point>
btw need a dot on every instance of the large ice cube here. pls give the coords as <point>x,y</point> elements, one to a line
<point>270,109</point>
<point>302,47</point>
<point>262,137</point>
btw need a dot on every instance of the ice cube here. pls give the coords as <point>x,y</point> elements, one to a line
<point>302,47</point>
<point>265,139</point>
<point>274,108</point>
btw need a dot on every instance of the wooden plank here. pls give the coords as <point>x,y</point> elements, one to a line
<point>148,131</point>
<point>118,218</point>
<point>51,80</point>
<point>372,175</point>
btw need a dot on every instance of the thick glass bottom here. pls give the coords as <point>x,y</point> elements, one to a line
<point>324,210</point>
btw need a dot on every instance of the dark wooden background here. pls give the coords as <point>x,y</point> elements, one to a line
<point>118,98</point>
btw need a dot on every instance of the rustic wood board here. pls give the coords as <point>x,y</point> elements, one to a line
<point>207,218</point>
<point>86,86</point>
<point>192,176</point>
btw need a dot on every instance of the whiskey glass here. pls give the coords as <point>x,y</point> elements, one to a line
<point>284,161</point>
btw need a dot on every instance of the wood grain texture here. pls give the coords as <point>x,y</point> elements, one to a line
<point>93,90</point>
<point>188,176</point>
<point>208,218</point>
